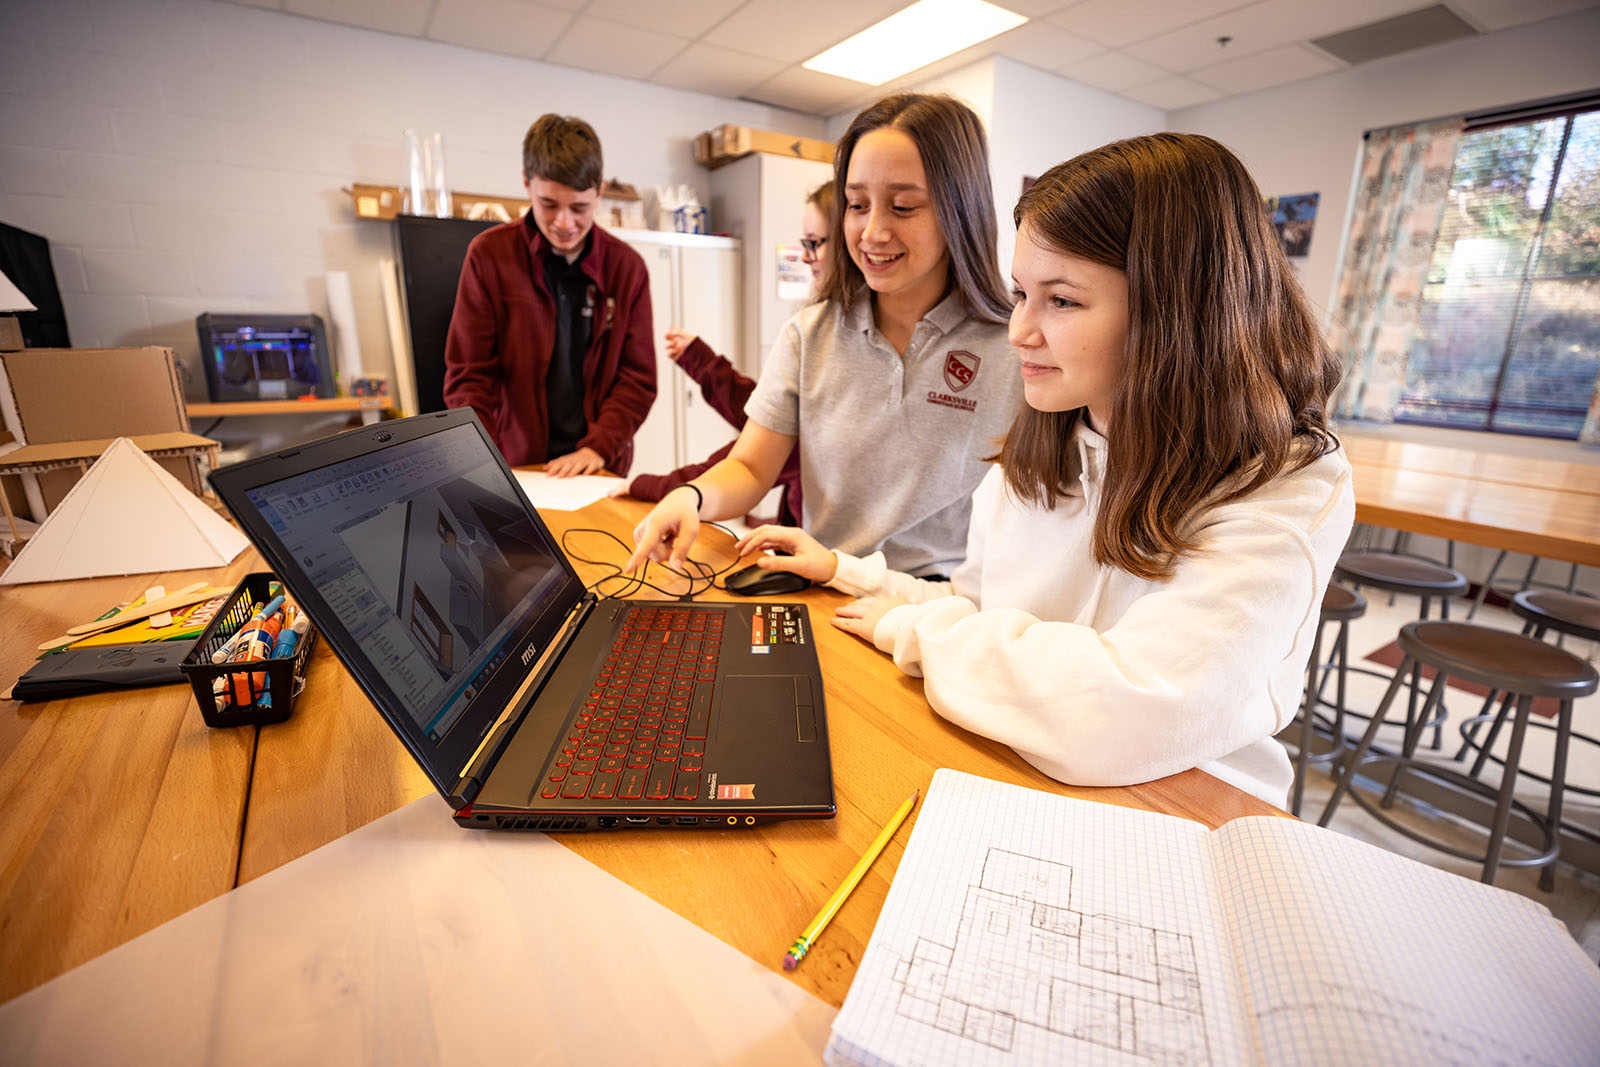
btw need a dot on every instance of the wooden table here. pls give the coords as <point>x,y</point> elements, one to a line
<point>1540,507</point>
<point>123,811</point>
<point>118,811</point>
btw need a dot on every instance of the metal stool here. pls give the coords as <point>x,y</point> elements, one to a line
<point>1518,665</point>
<point>1542,610</point>
<point>1338,605</point>
<point>1526,583</point>
<point>1421,578</point>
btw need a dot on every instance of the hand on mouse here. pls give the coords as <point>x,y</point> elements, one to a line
<point>805,554</point>
<point>861,617</point>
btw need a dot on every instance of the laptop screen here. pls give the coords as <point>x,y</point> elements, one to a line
<point>430,561</point>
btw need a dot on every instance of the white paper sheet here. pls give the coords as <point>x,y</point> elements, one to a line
<point>412,941</point>
<point>564,494</point>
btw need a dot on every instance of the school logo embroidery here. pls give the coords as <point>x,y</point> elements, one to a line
<point>959,369</point>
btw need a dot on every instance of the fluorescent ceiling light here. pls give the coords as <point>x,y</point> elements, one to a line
<point>912,38</point>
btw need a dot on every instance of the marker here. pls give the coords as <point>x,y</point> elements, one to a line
<point>803,943</point>
<point>290,636</point>
<point>223,654</point>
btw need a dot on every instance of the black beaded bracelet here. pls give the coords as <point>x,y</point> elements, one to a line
<point>699,497</point>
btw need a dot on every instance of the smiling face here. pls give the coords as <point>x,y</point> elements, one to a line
<point>1070,326</point>
<point>563,214</point>
<point>890,229</point>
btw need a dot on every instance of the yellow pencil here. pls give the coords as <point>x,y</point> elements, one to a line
<point>803,943</point>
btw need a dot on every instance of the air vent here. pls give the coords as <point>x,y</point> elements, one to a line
<point>1403,33</point>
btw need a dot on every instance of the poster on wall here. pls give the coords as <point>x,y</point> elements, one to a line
<point>1294,217</point>
<point>794,274</point>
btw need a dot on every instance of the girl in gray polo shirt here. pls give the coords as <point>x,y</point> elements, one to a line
<point>900,380</point>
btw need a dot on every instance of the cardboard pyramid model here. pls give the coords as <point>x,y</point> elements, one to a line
<point>125,516</point>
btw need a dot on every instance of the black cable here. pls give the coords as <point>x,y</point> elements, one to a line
<point>699,570</point>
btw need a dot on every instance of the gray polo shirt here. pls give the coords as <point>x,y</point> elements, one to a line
<point>890,449</point>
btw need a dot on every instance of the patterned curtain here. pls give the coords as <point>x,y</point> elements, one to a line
<point>1400,198</point>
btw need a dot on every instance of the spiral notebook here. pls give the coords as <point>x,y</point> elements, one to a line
<point>1028,928</point>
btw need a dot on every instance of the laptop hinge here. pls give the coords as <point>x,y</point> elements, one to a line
<point>483,758</point>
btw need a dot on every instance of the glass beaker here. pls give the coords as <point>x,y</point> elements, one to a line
<point>427,193</point>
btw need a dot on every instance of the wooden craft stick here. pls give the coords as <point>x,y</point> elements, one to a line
<point>172,600</point>
<point>162,618</point>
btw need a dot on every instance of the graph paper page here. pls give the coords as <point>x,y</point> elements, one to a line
<point>1351,954</point>
<point>1028,928</point>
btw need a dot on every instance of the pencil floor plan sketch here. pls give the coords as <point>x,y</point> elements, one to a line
<point>1028,929</point>
<point>1024,957</point>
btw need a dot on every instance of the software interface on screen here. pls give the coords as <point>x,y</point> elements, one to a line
<point>428,558</point>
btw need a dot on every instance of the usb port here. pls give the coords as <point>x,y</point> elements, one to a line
<point>688,820</point>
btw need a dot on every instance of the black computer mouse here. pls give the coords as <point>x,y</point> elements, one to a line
<point>753,581</point>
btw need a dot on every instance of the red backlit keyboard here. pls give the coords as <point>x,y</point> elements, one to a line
<point>640,733</point>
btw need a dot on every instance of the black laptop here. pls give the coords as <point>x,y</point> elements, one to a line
<point>531,703</point>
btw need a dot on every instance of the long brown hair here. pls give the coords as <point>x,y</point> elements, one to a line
<point>955,155</point>
<point>1226,375</point>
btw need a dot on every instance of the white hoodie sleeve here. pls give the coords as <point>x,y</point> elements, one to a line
<point>872,577</point>
<point>1181,678</point>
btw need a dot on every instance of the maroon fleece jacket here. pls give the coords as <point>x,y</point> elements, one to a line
<point>502,334</point>
<point>726,390</point>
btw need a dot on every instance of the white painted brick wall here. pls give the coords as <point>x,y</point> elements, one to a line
<point>185,156</point>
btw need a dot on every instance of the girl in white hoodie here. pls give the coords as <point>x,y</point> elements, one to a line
<point>1146,562</point>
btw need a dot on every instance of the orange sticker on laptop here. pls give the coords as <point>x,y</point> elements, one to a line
<point>736,792</point>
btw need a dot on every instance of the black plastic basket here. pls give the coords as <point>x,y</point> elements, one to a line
<point>218,687</point>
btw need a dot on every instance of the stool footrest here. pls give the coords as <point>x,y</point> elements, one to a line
<point>1455,779</point>
<point>1468,742</point>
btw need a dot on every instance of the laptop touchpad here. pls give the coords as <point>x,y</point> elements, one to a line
<point>753,705</point>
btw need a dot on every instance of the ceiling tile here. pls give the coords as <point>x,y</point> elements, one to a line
<point>1258,27</point>
<point>1118,22</point>
<point>394,16</point>
<point>703,68</point>
<point>612,48</point>
<point>1171,93</point>
<point>507,26</point>
<point>1112,71</point>
<point>1043,45</point>
<point>1491,15</point>
<point>805,90</point>
<point>791,31</point>
<point>685,18</point>
<point>1033,9</point>
<point>1276,66</point>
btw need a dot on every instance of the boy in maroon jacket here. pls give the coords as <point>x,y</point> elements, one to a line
<point>550,342</point>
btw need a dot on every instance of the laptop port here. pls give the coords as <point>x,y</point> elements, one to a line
<point>664,820</point>
<point>687,820</point>
<point>637,820</point>
<point>712,820</point>
<point>608,822</point>
<point>733,820</point>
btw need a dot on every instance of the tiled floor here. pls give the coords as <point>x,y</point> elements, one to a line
<point>1576,898</point>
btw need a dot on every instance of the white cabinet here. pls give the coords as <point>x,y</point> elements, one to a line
<point>695,284</point>
<point>759,199</point>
